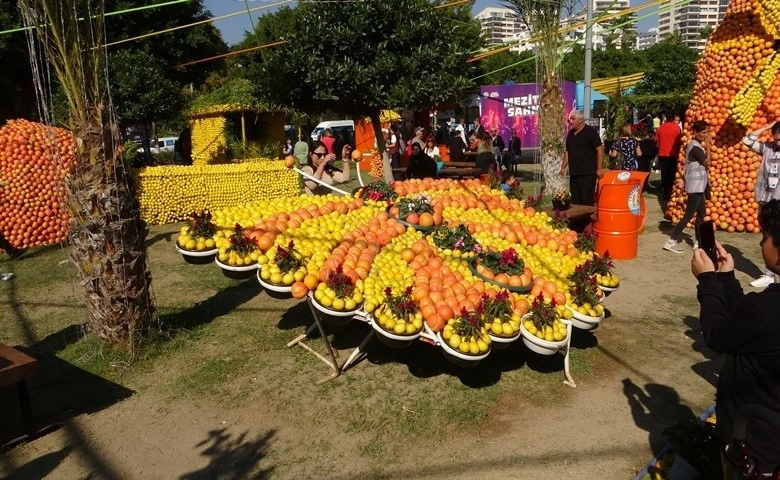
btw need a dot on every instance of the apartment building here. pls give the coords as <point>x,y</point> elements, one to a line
<point>606,30</point>
<point>646,39</point>
<point>500,25</point>
<point>692,20</point>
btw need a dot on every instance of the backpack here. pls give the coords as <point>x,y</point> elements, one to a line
<point>400,144</point>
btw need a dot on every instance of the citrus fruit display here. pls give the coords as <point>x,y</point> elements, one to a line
<point>351,255</point>
<point>737,90</point>
<point>34,160</point>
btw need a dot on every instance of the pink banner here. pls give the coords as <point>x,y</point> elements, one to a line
<point>508,107</point>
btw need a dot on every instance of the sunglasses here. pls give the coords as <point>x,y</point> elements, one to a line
<point>319,154</point>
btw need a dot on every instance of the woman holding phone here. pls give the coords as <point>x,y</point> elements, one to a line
<point>697,159</point>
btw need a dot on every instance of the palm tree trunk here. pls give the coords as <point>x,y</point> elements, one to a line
<point>107,233</point>
<point>108,242</point>
<point>551,130</point>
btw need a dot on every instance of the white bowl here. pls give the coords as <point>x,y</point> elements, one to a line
<point>202,257</point>
<point>502,342</point>
<point>333,316</point>
<point>458,358</point>
<point>272,287</point>
<point>582,321</point>
<point>389,338</point>
<point>538,345</point>
<point>235,272</point>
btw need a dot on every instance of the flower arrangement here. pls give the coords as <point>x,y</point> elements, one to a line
<point>340,283</point>
<point>402,306</point>
<point>515,189</point>
<point>584,290</point>
<point>379,191</point>
<point>542,312</point>
<point>454,238</point>
<point>417,204</point>
<point>288,259</point>
<point>200,225</point>
<point>495,179</point>
<point>507,261</point>
<point>466,332</point>
<point>240,242</point>
<point>586,242</point>
<point>534,201</point>
<point>599,265</point>
<point>562,196</point>
<point>497,306</point>
<point>560,220</point>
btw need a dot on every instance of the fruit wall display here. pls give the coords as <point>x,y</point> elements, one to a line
<point>171,193</point>
<point>737,90</point>
<point>34,159</point>
<point>208,139</point>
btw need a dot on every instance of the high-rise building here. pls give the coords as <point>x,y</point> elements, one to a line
<point>609,30</point>
<point>692,20</point>
<point>501,25</point>
<point>646,39</point>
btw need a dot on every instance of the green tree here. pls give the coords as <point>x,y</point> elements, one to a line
<point>508,66</point>
<point>140,90</point>
<point>107,234</point>
<point>670,67</point>
<point>356,58</point>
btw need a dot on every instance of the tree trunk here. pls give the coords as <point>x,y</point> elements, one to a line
<point>387,168</point>
<point>552,131</point>
<point>108,241</point>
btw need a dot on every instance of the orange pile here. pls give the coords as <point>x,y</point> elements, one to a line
<point>737,90</point>
<point>34,159</point>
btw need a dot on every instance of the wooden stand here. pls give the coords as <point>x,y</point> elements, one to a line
<point>16,367</point>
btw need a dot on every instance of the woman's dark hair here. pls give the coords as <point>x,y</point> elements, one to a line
<point>315,146</point>
<point>700,126</point>
<point>416,144</point>
<point>769,220</point>
<point>776,128</point>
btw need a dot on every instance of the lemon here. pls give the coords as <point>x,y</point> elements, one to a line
<point>276,278</point>
<point>350,304</point>
<point>326,301</point>
<point>338,303</point>
<point>190,244</point>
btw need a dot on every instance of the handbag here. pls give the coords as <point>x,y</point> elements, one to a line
<point>616,162</point>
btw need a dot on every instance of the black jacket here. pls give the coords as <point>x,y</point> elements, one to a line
<point>421,166</point>
<point>746,328</point>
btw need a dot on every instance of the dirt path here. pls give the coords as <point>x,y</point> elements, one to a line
<point>649,370</point>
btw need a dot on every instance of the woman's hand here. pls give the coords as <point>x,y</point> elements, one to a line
<point>612,152</point>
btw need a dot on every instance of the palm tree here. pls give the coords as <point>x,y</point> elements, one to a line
<point>106,234</point>
<point>543,19</point>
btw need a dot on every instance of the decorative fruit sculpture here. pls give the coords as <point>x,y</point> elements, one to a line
<point>285,267</point>
<point>241,249</point>
<point>543,320</point>
<point>498,316</point>
<point>737,90</point>
<point>34,160</point>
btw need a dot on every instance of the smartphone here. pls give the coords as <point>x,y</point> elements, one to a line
<point>706,234</point>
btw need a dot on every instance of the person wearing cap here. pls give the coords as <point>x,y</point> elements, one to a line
<point>457,147</point>
<point>419,135</point>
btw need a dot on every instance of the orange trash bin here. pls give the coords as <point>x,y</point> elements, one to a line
<point>620,213</point>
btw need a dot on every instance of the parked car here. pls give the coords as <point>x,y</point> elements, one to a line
<point>163,144</point>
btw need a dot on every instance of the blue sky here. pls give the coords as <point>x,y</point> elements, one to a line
<point>233,28</point>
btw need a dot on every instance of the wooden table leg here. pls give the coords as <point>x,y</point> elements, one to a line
<point>24,402</point>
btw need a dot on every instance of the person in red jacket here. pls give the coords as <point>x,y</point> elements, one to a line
<point>669,139</point>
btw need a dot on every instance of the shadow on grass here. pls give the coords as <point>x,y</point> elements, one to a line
<point>232,457</point>
<point>743,264</point>
<point>167,236</point>
<point>221,303</point>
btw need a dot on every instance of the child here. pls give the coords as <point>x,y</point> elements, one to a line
<point>746,329</point>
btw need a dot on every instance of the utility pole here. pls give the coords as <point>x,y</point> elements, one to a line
<point>586,103</point>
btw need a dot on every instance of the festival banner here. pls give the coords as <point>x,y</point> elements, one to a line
<point>508,107</point>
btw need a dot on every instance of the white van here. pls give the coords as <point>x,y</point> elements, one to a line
<point>163,144</point>
<point>341,129</point>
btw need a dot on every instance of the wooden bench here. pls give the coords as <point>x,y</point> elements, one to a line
<point>457,172</point>
<point>579,215</point>
<point>15,368</point>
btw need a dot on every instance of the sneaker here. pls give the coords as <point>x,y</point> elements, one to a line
<point>672,246</point>
<point>763,281</point>
<point>6,276</point>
